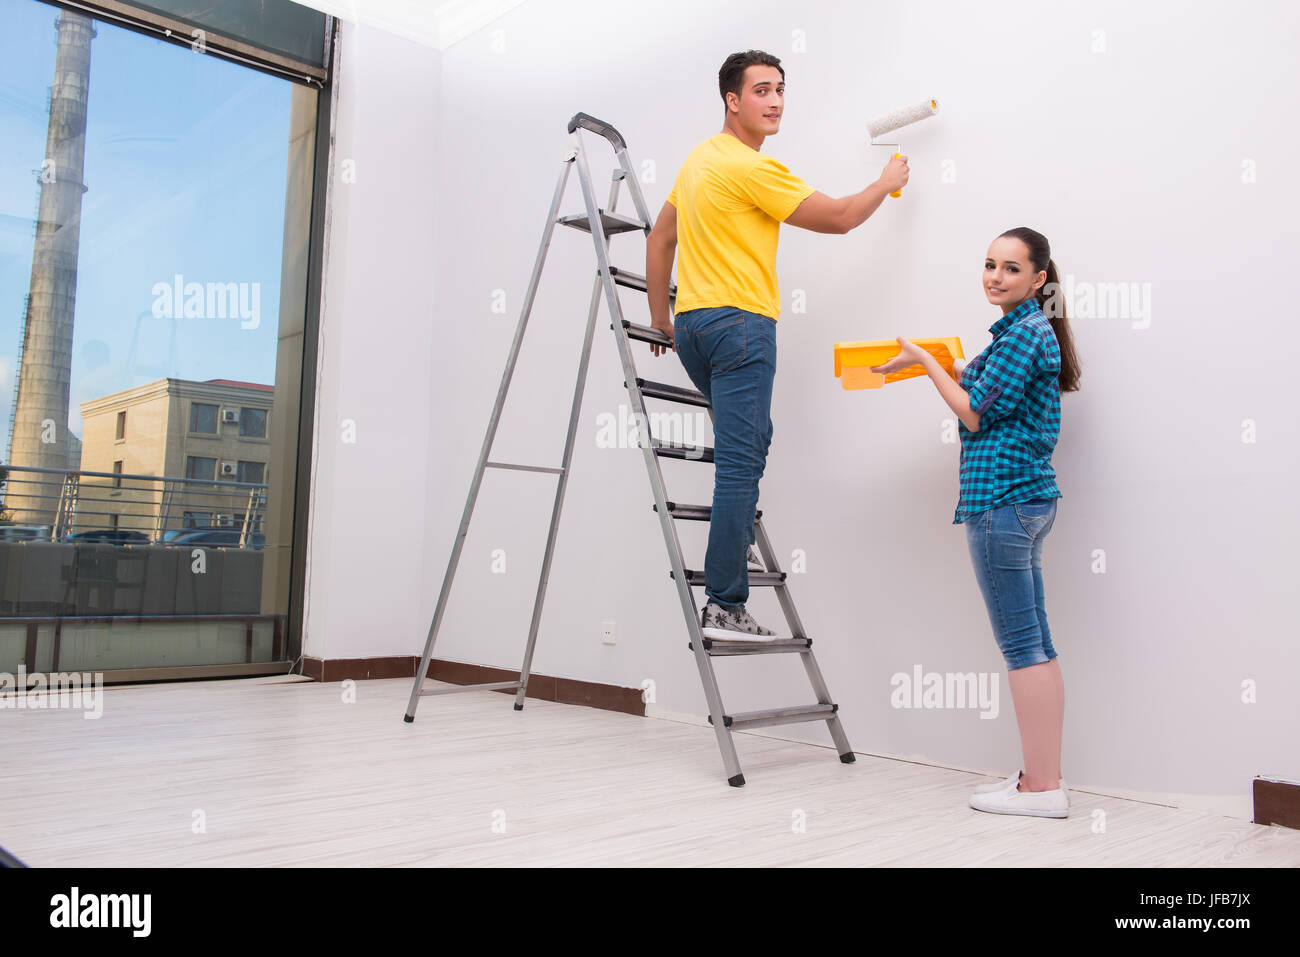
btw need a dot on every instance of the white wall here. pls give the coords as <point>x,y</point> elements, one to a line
<point>1130,159</point>
<point>375,383</point>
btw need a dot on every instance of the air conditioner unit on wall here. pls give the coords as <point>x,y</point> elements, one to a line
<point>230,415</point>
<point>229,468</point>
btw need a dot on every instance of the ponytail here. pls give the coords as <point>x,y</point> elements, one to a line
<point>1052,301</point>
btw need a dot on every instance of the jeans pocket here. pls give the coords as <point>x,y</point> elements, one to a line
<point>723,343</point>
<point>1034,516</point>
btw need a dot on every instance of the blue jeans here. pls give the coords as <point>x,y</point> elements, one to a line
<point>1006,548</point>
<point>730,355</point>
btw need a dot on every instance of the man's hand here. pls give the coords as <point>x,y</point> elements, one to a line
<point>894,176</point>
<point>667,329</point>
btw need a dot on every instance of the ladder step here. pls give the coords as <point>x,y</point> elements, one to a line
<point>524,468</point>
<point>611,222</point>
<point>674,450</point>
<point>644,333</point>
<point>760,719</point>
<point>636,281</point>
<point>673,393</point>
<point>694,577</point>
<point>694,513</point>
<point>723,649</point>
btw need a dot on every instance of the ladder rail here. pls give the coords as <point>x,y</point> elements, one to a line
<point>604,282</point>
<point>815,677</point>
<point>602,243</point>
<point>436,624</point>
<point>712,693</point>
<point>638,200</point>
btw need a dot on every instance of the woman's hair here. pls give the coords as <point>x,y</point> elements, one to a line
<point>1052,301</point>
<point>731,78</point>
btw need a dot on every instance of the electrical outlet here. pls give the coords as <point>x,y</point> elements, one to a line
<point>607,633</point>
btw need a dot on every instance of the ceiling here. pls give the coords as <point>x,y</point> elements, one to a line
<point>434,23</point>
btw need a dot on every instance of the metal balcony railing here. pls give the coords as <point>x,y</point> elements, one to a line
<point>73,505</point>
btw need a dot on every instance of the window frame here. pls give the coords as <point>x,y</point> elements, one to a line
<point>195,405</point>
<point>189,472</point>
<point>239,471</point>
<point>181,33</point>
<point>298,446</point>
<point>266,421</point>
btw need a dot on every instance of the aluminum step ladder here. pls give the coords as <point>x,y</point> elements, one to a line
<point>602,224</point>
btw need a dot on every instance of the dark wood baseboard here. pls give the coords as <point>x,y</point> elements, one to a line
<point>1277,802</point>
<point>543,687</point>
<point>359,669</point>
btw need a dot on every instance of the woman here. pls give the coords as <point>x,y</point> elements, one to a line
<point>1008,401</point>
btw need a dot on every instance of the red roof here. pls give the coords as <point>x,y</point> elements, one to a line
<point>246,385</point>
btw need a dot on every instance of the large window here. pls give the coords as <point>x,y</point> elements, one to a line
<point>252,423</point>
<point>203,418</point>
<point>154,269</point>
<point>199,467</point>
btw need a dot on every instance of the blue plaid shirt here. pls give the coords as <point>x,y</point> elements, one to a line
<point>1013,386</point>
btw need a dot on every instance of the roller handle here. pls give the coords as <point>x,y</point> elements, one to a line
<point>598,126</point>
<point>898,192</point>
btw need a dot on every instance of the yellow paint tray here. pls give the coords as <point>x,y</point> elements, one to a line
<point>853,360</point>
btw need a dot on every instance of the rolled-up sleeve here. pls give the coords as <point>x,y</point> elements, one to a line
<point>1010,366</point>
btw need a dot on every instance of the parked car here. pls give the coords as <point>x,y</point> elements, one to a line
<point>24,533</point>
<point>109,536</point>
<point>215,538</point>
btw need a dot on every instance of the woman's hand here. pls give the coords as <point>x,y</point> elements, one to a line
<point>910,355</point>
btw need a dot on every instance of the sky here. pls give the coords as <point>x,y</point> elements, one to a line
<point>185,166</point>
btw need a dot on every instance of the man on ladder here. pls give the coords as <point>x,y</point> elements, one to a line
<point>732,200</point>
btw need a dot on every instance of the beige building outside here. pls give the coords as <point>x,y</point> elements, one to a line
<point>199,436</point>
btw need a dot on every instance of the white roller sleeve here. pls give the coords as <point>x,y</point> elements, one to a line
<point>892,121</point>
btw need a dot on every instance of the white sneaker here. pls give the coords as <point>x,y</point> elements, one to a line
<point>1029,803</point>
<point>755,563</point>
<point>717,622</point>
<point>1008,783</point>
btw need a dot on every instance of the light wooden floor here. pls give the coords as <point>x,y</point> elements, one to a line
<point>285,773</point>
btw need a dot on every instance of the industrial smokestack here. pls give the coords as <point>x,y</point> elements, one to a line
<point>40,425</point>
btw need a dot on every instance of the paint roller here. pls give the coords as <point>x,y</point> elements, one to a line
<point>899,118</point>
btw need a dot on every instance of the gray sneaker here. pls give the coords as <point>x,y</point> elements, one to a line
<point>755,563</point>
<point>717,622</point>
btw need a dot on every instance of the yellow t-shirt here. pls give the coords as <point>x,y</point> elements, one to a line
<point>731,201</point>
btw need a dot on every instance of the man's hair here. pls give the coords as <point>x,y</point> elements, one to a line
<point>731,78</point>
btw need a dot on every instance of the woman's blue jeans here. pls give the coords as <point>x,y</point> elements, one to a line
<point>1006,548</point>
<point>730,355</point>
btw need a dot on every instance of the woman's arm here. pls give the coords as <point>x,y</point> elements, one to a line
<point>958,399</point>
